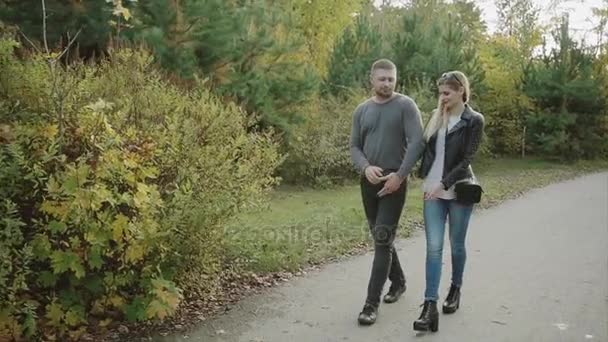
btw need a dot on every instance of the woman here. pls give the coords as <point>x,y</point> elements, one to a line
<point>452,135</point>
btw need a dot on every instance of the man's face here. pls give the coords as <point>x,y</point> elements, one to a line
<point>383,82</point>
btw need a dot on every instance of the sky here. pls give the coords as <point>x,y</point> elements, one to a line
<point>580,11</point>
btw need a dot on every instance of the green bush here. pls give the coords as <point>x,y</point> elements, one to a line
<point>115,185</point>
<point>318,152</point>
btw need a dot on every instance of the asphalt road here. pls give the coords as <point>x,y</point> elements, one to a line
<point>537,270</point>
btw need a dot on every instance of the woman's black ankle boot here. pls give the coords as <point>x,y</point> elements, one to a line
<point>429,318</point>
<point>452,301</point>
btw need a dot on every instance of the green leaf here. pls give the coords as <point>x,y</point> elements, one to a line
<point>95,259</point>
<point>70,185</point>
<point>75,242</point>
<point>29,324</point>
<point>54,314</point>
<point>69,297</point>
<point>75,316</point>
<point>94,284</point>
<point>57,227</point>
<point>149,172</point>
<point>41,247</point>
<point>78,268</point>
<point>64,261</point>
<point>53,186</point>
<point>136,310</point>
<point>60,262</point>
<point>82,173</point>
<point>47,279</point>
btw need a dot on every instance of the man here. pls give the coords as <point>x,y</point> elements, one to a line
<point>383,126</point>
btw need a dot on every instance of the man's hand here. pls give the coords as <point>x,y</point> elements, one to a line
<point>434,193</point>
<point>393,182</point>
<point>373,174</point>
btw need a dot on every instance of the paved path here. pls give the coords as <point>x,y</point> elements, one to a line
<point>537,271</point>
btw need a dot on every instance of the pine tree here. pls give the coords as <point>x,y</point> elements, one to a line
<point>432,42</point>
<point>572,111</point>
<point>243,47</point>
<point>353,56</point>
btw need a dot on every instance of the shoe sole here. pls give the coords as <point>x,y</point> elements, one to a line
<point>363,322</point>
<point>392,301</point>
<point>396,299</point>
<point>447,310</point>
<point>433,327</point>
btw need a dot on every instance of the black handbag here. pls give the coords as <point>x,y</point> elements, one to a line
<point>468,191</point>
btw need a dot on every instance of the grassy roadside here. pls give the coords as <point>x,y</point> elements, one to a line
<point>307,226</point>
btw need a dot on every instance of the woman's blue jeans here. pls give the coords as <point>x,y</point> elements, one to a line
<point>436,213</point>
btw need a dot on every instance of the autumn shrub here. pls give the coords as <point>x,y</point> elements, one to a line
<point>114,185</point>
<point>318,150</point>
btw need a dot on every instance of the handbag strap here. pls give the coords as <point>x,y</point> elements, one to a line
<point>467,141</point>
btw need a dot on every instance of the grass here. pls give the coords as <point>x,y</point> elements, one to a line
<point>308,226</point>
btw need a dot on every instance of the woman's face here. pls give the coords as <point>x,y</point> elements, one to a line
<point>450,97</point>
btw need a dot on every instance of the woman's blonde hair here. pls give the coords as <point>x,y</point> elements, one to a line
<point>455,80</point>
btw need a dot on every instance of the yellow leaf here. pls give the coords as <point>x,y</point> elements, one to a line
<point>119,226</point>
<point>97,308</point>
<point>100,106</point>
<point>53,187</point>
<point>83,199</point>
<point>73,318</point>
<point>157,309</point>
<point>117,301</point>
<point>130,178</point>
<point>142,197</point>
<point>56,209</point>
<point>171,299</point>
<point>105,322</point>
<point>50,131</point>
<point>130,162</point>
<point>121,11</point>
<point>5,133</point>
<point>9,327</point>
<point>78,333</point>
<point>134,253</point>
<point>54,313</point>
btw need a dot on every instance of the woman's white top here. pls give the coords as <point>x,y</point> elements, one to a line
<point>436,173</point>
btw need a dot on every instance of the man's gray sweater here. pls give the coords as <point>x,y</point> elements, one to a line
<point>387,135</point>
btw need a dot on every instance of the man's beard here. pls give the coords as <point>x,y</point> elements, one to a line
<point>384,92</point>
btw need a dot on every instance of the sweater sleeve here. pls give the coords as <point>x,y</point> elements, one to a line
<point>356,143</point>
<point>412,126</point>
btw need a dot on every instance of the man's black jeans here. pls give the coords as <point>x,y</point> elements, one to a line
<point>383,217</point>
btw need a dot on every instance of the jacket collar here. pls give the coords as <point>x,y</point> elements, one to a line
<point>464,119</point>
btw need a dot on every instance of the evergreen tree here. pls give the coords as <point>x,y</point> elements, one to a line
<point>242,47</point>
<point>431,42</point>
<point>469,15</point>
<point>571,119</point>
<point>353,56</point>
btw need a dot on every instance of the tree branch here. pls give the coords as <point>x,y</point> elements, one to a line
<point>69,44</point>
<point>46,45</point>
<point>28,40</point>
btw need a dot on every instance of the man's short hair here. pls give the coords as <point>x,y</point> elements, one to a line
<point>384,64</point>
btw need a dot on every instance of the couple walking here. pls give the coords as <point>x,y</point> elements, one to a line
<point>382,128</point>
